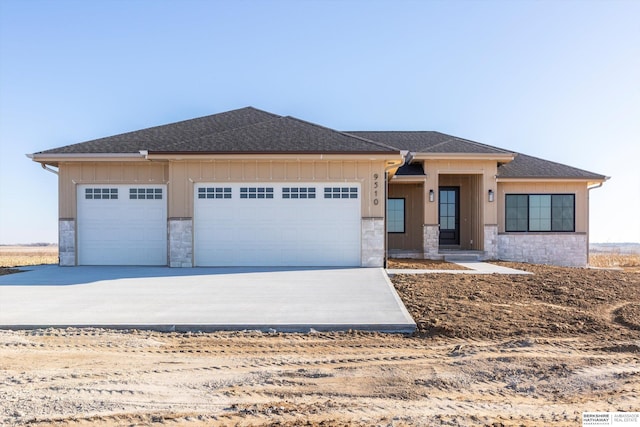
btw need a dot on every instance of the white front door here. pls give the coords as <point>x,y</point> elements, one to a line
<point>122,225</point>
<point>277,224</point>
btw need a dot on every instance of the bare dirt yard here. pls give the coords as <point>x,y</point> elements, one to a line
<point>490,350</point>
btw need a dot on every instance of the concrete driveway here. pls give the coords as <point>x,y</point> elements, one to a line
<point>206,299</point>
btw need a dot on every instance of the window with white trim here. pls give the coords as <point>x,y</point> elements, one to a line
<point>256,192</point>
<point>395,215</point>
<point>540,212</point>
<point>145,193</point>
<point>100,193</point>
<point>214,193</point>
<point>298,193</point>
<point>340,192</point>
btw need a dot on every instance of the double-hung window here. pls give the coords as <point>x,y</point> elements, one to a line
<point>540,212</point>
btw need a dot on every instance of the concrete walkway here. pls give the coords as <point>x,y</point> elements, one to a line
<point>206,299</point>
<point>475,267</point>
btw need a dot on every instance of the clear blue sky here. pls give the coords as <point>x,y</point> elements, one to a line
<point>554,79</point>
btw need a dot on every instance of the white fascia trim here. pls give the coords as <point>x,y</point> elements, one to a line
<point>465,156</point>
<point>549,179</point>
<point>85,156</point>
<point>300,157</point>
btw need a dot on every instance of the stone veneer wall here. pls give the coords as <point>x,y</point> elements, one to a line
<point>180,242</point>
<point>490,241</point>
<point>372,236</point>
<point>67,242</point>
<point>431,241</point>
<point>564,249</point>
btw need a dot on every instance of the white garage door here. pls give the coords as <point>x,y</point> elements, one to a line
<point>299,224</point>
<point>122,225</point>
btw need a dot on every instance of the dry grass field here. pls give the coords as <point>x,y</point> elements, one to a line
<point>492,350</point>
<point>15,256</point>
<point>615,260</point>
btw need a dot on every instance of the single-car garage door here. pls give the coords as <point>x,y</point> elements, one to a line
<point>267,224</point>
<point>122,225</point>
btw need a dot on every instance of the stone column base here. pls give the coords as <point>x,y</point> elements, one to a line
<point>490,241</point>
<point>180,242</point>
<point>372,247</point>
<point>67,242</point>
<point>431,241</point>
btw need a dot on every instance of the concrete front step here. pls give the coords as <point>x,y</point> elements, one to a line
<point>461,256</point>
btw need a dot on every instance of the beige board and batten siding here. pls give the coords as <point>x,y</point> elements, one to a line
<point>184,175</point>
<point>72,174</point>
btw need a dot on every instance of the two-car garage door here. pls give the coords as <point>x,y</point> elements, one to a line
<point>262,224</point>
<point>283,224</point>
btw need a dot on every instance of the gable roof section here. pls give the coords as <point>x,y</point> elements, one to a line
<point>246,130</point>
<point>524,166</point>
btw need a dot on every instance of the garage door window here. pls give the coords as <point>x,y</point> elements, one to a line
<point>100,193</point>
<point>340,192</point>
<point>214,193</point>
<point>145,193</point>
<point>298,193</point>
<point>256,192</point>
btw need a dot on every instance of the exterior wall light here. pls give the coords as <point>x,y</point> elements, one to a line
<point>491,195</point>
<point>431,195</point>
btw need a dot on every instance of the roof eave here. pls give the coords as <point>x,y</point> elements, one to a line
<point>55,158</point>
<point>588,180</point>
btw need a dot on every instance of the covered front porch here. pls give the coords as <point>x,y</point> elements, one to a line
<point>449,213</point>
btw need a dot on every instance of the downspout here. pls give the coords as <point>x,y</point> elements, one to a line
<point>405,155</point>
<point>45,167</point>
<point>589,209</point>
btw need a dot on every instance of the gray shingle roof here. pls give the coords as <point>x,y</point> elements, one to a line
<point>280,135</point>
<point>524,166</point>
<point>429,142</point>
<point>247,130</point>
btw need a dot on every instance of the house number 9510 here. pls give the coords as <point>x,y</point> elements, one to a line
<point>376,188</point>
